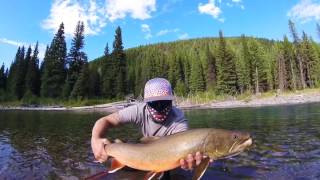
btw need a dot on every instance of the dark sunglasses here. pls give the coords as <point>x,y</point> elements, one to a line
<point>160,105</point>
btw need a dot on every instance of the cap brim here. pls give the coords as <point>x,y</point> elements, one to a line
<point>158,98</point>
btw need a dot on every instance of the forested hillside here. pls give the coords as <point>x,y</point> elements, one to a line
<point>223,65</point>
<point>218,65</point>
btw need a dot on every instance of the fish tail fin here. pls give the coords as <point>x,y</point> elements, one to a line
<point>153,175</point>
<point>115,166</point>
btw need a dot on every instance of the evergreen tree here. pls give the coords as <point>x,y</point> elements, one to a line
<point>180,89</point>
<point>81,88</point>
<point>227,78</point>
<point>311,60</point>
<point>12,76</point>
<point>106,50</point>
<point>211,69</point>
<point>76,58</point>
<point>197,82</point>
<point>22,65</point>
<point>286,66</point>
<point>54,66</point>
<point>119,58</point>
<point>108,77</point>
<point>3,78</point>
<point>257,59</point>
<point>247,70</point>
<point>94,83</point>
<point>298,54</point>
<point>33,73</point>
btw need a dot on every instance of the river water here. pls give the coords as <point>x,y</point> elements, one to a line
<point>56,144</point>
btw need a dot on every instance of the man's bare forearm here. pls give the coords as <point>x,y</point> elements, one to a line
<point>102,124</point>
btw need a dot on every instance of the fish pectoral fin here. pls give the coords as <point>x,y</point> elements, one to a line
<point>201,168</point>
<point>153,175</point>
<point>149,139</point>
<point>115,166</point>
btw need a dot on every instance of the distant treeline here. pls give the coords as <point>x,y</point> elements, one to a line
<point>219,65</point>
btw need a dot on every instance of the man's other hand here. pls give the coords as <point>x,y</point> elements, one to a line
<point>98,148</point>
<point>192,161</point>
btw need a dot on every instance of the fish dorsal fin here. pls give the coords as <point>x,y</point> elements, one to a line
<point>153,175</point>
<point>115,166</point>
<point>201,168</point>
<point>149,139</point>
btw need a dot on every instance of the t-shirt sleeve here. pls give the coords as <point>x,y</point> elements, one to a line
<point>180,124</point>
<point>129,115</point>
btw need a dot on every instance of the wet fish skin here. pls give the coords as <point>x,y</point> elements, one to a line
<point>165,153</point>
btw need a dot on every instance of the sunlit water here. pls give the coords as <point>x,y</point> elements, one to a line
<point>56,145</point>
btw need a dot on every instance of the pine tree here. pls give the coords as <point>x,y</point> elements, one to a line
<point>22,63</point>
<point>227,77</point>
<point>94,83</point>
<point>3,78</point>
<point>33,74</point>
<point>260,76</point>
<point>298,54</point>
<point>247,70</point>
<point>119,58</point>
<point>108,77</point>
<point>211,69</point>
<point>310,61</point>
<point>197,82</point>
<point>287,66</point>
<point>81,87</point>
<point>106,50</point>
<point>54,66</point>
<point>76,58</point>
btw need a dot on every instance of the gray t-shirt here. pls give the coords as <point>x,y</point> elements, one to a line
<point>138,114</point>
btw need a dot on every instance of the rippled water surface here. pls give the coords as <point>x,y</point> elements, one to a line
<point>56,145</point>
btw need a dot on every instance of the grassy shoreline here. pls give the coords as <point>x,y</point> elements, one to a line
<point>201,100</point>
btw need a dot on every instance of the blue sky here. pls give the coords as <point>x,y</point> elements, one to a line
<point>148,21</point>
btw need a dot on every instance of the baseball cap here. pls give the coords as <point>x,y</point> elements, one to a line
<point>158,89</point>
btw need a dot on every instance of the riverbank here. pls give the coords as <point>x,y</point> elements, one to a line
<point>275,99</point>
<point>268,99</point>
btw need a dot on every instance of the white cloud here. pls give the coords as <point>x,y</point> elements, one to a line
<point>41,47</point>
<point>70,12</point>
<point>210,8</point>
<point>163,32</point>
<point>183,36</point>
<point>94,14</point>
<point>237,3</point>
<point>146,29</point>
<point>166,31</point>
<point>305,10</point>
<point>11,42</point>
<point>137,9</point>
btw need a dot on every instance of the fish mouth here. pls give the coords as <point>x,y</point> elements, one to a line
<point>237,148</point>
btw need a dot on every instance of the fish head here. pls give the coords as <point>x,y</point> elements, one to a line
<point>223,143</point>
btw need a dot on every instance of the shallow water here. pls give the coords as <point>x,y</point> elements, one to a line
<point>56,145</point>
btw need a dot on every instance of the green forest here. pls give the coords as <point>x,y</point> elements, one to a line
<point>219,66</point>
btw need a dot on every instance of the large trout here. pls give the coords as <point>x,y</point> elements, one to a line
<point>165,153</point>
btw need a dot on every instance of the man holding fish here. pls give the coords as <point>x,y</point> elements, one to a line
<point>168,143</point>
<point>156,117</point>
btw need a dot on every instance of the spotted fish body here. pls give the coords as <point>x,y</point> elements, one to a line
<point>165,153</point>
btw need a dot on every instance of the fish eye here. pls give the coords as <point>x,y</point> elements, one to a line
<point>235,136</point>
